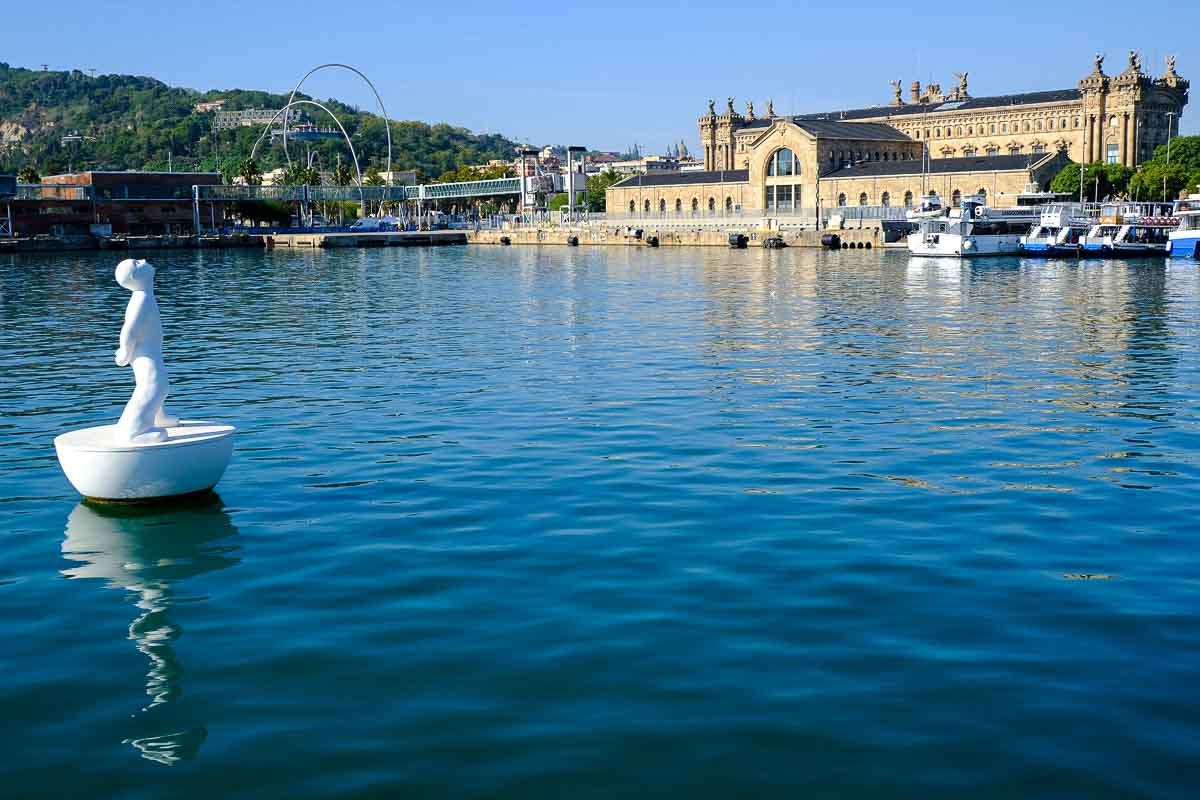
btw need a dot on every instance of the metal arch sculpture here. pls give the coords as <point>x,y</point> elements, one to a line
<point>285,109</point>
<point>387,125</point>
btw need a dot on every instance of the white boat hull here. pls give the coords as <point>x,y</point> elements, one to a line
<point>192,459</point>
<point>955,246</point>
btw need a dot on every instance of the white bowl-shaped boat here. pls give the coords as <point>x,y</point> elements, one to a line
<point>191,459</point>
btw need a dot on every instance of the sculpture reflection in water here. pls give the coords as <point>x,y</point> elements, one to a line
<point>152,553</point>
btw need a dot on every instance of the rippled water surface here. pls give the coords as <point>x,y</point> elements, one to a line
<point>548,523</point>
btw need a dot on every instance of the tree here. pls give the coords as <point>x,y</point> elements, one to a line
<point>342,175</point>
<point>557,201</point>
<point>29,175</point>
<point>373,178</point>
<point>1180,175</point>
<point>1113,180</point>
<point>249,171</point>
<point>596,187</point>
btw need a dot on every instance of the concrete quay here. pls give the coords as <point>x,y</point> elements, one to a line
<point>379,239</point>
<point>671,237</point>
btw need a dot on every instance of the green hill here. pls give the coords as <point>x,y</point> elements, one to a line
<point>133,122</point>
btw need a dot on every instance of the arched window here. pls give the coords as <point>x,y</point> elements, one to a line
<point>908,199</point>
<point>842,199</point>
<point>968,151</point>
<point>937,133</point>
<point>993,127</point>
<point>695,205</point>
<point>678,205</point>
<point>1014,149</point>
<point>728,205</point>
<point>918,133</point>
<point>862,199</point>
<point>1077,122</point>
<point>632,207</point>
<point>1004,127</point>
<point>885,199</point>
<point>927,133</point>
<point>876,155</point>
<point>958,131</point>
<point>982,193</point>
<point>1039,124</point>
<point>1027,126</point>
<point>970,130</point>
<point>646,206</point>
<point>782,164</point>
<point>712,204</point>
<point>993,150</point>
<point>955,198</point>
<point>662,206</point>
<point>1050,123</point>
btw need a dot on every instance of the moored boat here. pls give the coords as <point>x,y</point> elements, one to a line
<point>1185,239</point>
<point>1127,230</point>
<point>1059,230</point>
<point>972,229</point>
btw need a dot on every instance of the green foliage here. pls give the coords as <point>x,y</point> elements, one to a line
<point>343,175</point>
<point>249,171</point>
<point>557,201</point>
<point>1114,180</point>
<point>1180,175</point>
<point>373,178</point>
<point>29,175</point>
<point>596,186</point>
<point>272,212</point>
<point>136,121</point>
<point>299,174</point>
<point>468,172</point>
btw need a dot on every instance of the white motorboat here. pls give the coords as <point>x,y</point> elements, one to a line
<point>972,229</point>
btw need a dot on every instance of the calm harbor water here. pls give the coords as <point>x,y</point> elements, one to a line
<point>548,523</point>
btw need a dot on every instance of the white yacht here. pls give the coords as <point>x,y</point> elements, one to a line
<point>972,229</point>
<point>1185,239</point>
<point>1059,230</point>
<point>1130,229</point>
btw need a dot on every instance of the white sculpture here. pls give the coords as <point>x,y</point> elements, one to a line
<point>148,454</point>
<point>144,419</point>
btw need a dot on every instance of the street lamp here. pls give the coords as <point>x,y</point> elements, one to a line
<point>1170,130</point>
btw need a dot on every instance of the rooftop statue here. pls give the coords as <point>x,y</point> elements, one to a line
<point>1098,59</point>
<point>1171,66</point>
<point>749,109</point>
<point>896,91</point>
<point>729,106</point>
<point>712,107</point>
<point>1135,61</point>
<point>770,108</point>
<point>962,83</point>
<point>144,419</point>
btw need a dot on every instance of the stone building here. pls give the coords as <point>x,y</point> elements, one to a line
<point>997,145</point>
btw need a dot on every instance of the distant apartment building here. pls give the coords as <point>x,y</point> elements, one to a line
<point>209,105</point>
<point>646,165</point>
<point>245,118</point>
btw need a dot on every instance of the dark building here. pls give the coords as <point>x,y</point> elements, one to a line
<point>135,203</point>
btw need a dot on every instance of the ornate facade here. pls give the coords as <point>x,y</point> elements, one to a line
<point>1119,119</point>
<point>997,146</point>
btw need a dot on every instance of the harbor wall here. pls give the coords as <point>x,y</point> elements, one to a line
<point>627,237</point>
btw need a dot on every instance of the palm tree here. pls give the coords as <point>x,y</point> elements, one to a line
<point>29,175</point>
<point>342,175</point>
<point>373,178</point>
<point>249,171</point>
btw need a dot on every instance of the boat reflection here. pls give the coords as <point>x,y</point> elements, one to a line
<point>151,552</point>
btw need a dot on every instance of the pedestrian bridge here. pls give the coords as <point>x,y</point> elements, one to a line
<point>311,194</point>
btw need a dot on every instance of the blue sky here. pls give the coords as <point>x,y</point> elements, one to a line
<point>604,75</point>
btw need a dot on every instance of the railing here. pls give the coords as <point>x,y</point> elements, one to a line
<point>52,191</point>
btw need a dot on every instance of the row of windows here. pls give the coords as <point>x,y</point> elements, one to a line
<point>970,151</point>
<point>695,205</point>
<point>885,199</point>
<point>1029,127</point>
